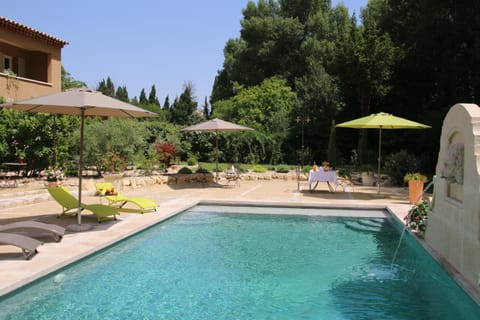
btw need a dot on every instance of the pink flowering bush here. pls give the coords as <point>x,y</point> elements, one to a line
<point>52,174</point>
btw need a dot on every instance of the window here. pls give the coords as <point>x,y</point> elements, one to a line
<point>7,62</point>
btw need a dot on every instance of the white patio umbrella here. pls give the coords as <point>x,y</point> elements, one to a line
<point>216,125</point>
<point>82,102</point>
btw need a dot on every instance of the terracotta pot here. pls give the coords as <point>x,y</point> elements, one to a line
<point>52,184</point>
<point>367,178</point>
<point>415,190</point>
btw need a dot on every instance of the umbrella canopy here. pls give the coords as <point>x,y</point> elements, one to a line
<point>82,102</point>
<point>381,121</point>
<point>216,125</point>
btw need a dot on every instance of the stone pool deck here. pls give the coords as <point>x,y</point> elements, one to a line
<point>17,204</point>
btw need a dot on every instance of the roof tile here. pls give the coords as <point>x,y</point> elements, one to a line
<point>30,32</point>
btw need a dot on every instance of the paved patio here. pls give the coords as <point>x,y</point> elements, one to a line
<point>15,271</point>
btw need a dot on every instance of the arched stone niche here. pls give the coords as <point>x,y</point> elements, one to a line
<point>453,169</point>
<point>454,221</point>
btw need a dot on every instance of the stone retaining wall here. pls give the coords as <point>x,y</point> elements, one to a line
<point>133,182</point>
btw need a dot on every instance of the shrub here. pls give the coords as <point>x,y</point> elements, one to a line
<point>400,163</point>
<point>165,152</point>
<point>113,162</point>
<point>283,168</point>
<point>71,169</point>
<point>259,169</point>
<point>242,170</point>
<point>52,174</point>
<point>201,170</point>
<point>185,170</point>
<point>191,161</point>
<point>306,169</point>
<point>346,172</point>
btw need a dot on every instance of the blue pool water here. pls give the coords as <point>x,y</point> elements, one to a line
<point>205,264</point>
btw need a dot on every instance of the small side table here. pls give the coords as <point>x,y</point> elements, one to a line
<point>14,166</point>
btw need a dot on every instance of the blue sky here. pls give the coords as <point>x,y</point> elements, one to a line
<point>141,43</point>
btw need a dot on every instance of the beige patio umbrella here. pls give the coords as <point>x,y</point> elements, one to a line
<point>82,102</point>
<point>216,125</point>
<point>381,121</point>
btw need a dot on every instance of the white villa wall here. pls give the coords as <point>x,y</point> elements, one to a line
<point>454,221</point>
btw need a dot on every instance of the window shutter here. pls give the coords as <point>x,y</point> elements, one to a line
<point>21,67</point>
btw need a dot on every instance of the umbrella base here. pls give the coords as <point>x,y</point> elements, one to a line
<point>79,227</point>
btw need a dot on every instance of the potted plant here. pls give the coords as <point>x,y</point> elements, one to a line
<point>54,176</point>
<point>367,175</point>
<point>416,219</point>
<point>327,166</point>
<point>415,182</point>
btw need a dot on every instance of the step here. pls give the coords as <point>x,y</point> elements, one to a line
<point>21,198</point>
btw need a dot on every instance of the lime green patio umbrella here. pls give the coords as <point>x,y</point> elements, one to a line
<point>381,121</point>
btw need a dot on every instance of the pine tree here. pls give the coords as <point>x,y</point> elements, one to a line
<point>184,106</point>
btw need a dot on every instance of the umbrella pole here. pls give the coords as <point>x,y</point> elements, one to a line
<point>216,156</point>
<point>80,164</point>
<point>379,158</point>
<point>54,156</point>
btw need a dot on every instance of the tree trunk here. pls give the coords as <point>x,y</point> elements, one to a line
<point>362,136</point>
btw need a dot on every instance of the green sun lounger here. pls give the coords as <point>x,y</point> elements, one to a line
<point>120,201</point>
<point>70,205</point>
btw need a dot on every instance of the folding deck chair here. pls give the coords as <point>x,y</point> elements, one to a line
<point>69,203</point>
<point>120,201</point>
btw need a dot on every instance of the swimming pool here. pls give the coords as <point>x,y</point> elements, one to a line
<point>211,263</point>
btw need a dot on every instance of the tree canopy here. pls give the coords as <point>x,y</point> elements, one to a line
<point>305,59</point>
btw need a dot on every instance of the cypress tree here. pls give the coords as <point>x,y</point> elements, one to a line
<point>152,97</point>
<point>166,104</point>
<point>110,88</point>
<point>122,94</point>
<point>143,97</point>
<point>332,145</point>
<point>205,109</point>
